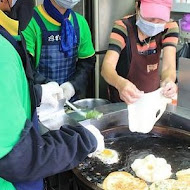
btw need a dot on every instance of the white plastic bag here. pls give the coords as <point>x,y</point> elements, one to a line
<point>144,113</point>
<point>51,117</point>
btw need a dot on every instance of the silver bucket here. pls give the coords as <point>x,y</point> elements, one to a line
<point>90,103</point>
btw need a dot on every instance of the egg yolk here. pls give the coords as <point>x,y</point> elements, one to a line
<point>107,153</point>
<point>150,167</point>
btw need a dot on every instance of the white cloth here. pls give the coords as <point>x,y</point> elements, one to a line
<point>68,90</point>
<point>51,93</point>
<point>50,116</point>
<point>99,137</point>
<point>144,113</point>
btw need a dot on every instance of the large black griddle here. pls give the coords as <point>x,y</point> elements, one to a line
<point>169,143</point>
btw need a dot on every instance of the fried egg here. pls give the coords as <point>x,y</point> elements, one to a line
<point>108,156</point>
<point>152,169</point>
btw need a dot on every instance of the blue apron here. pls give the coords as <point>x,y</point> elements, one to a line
<point>54,64</point>
<point>38,184</point>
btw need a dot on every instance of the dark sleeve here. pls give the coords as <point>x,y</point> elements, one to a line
<point>38,94</point>
<point>22,11</point>
<point>80,79</point>
<point>35,156</point>
<point>37,79</point>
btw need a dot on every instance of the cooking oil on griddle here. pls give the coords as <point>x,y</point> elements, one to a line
<point>132,146</point>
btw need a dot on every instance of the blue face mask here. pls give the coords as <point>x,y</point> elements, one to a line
<point>149,28</point>
<point>68,4</point>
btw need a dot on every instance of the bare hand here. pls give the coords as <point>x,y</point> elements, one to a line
<point>128,92</point>
<point>169,89</point>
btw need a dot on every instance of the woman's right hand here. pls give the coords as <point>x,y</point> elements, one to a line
<point>128,92</point>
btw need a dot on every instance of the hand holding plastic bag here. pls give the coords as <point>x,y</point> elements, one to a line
<point>144,113</point>
<point>51,93</point>
<point>50,116</point>
<point>169,89</point>
<point>68,90</point>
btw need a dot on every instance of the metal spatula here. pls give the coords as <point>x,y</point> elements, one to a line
<point>76,109</point>
<point>92,114</point>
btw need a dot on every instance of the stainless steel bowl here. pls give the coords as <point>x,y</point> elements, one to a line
<point>90,103</point>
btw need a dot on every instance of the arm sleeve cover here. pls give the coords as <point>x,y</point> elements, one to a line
<point>80,78</point>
